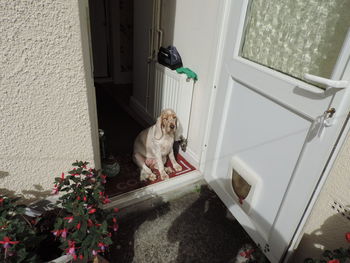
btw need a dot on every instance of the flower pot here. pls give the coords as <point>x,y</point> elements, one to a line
<point>100,259</point>
<point>62,259</point>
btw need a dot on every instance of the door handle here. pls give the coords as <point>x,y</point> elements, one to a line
<point>330,83</point>
<point>339,84</point>
<point>333,116</point>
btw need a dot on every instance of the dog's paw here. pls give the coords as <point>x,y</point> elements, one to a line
<point>164,175</point>
<point>152,177</point>
<point>143,175</point>
<point>177,167</point>
<point>147,176</point>
<point>168,170</point>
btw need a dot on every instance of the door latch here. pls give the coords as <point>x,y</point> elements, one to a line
<point>329,113</point>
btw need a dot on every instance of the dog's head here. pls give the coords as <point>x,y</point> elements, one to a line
<point>166,123</point>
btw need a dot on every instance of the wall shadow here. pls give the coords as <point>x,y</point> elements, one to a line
<point>37,193</point>
<point>3,174</point>
<point>330,236</point>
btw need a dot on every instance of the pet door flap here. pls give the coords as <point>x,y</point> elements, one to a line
<point>245,184</point>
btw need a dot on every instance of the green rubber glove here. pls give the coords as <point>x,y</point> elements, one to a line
<point>190,74</point>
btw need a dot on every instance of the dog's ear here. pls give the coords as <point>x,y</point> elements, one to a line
<point>158,132</point>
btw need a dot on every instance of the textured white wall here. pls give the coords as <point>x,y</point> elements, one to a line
<point>44,92</point>
<point>330,217</point>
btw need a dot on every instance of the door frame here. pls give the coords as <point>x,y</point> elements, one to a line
<point>341,137</point>
<point>217,64</point>
<point>163,189</point>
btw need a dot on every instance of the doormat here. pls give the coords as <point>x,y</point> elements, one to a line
<point>128,178</point>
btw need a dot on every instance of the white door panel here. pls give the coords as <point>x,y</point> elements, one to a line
<point>269,128</point>
<point>295,94</point>
<point>265,147</point>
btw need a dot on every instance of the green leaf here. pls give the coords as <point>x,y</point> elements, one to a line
<point>328,254</point>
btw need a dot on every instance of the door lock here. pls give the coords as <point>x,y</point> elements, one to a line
<point>329,113</point>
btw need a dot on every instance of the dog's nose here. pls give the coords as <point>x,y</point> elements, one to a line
<point>172,126</point>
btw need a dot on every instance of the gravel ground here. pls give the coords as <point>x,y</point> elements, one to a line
<point>192,228</point>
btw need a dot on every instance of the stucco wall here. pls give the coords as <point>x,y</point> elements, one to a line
<point>44,92</point>
<point>330,217</point>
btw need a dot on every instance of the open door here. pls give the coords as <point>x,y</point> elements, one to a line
<point>275,123</point>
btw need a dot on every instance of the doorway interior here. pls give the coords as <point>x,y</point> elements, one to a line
<point>120,39</point>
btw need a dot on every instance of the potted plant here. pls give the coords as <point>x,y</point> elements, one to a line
<point>82,226</point>
<point>18,237</point>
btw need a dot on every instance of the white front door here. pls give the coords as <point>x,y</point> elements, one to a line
<point>271,136</point>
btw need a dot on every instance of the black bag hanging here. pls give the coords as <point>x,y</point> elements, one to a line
<point>169,57</point>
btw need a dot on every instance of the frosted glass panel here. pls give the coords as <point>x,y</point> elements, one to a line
<point>296,36</point>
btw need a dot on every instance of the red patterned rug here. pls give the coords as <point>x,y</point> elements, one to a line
<point>128,178</point>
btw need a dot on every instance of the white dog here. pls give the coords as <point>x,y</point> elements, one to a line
<point>153,145</point>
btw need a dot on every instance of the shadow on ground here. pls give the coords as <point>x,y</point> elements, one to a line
<point>193,228</point>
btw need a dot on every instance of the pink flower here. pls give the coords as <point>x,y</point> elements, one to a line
<point>92,210</point>
<point>74,174</point>
<point>62,177</point>
<point>78,225</point>
<point>71,249</point>
<point>1,201</point>
<point>334,261</point>
<point>90,223</point>
<point>56,232</point>
<point>69,218</point>
<point>115,225</point>
<point>64,233</point>
<point>103,177</point>
<point>247,253</point>
<point>102,246</point>
<point>6,242</point>
<point>55,190</point>
<point>347,236</point>
<point>94,252</point>
<point>106,200</point>
<point>84,198</point>
<point>116,210</point>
